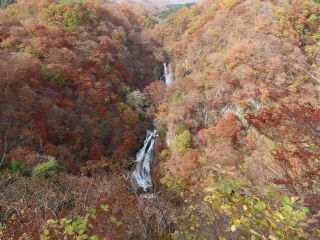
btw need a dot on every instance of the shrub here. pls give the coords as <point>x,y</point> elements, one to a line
<point>46,169</point>
<point>316,36</point>
<point>16,166</point>
<point>174,188</point>
<point>69,228</point>
<point>149,22</point>
<point>313,18</point>
<point>52,75</point>
<point>183,142</point>
<point>176,96</point>
<point>18,12</point>
<point>181,125</point>
<point>70,14</point>
<point>258,217</point>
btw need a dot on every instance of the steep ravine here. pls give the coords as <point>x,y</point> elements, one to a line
<point>141,176</point>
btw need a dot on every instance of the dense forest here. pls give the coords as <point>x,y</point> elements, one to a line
<point>237,154</point>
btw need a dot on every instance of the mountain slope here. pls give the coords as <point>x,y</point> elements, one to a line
<point>70,75</point>
<point>241,120</point>
<point>237,156</point>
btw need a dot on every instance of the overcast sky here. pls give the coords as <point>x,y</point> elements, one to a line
<point>167,1</point>
<point>176,1</point>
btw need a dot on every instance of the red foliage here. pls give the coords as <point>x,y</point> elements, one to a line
<point>126,146</point>
<point>295,130</point>
<point>185,165</point>
<point>156,91</point>
<point>202,136</point>
<point>222,141</point>
<point>250,142</point>
<point>123,72</point>
<point>96,151</point>
<point>227,128</point>
<point>66,103</point>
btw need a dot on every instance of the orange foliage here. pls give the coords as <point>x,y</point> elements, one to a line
<point>293,127</point>
<point>185,165</point>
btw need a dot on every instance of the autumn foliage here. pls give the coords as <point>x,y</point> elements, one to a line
<point>66,68</point>
<point>238,151</point>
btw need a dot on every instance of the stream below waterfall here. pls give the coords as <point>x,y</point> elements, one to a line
<point>141,176</point>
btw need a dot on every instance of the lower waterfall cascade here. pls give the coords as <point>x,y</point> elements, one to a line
<point>141,176</point>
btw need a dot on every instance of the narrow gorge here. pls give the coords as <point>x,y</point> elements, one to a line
<point>141,176</point>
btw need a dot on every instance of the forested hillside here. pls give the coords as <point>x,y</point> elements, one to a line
<point>237,154</point>
<point>241,121</point>
<point>70,75</point>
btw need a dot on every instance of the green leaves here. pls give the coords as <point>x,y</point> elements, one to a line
<point>51,74</point>
<point>183,142</point>
<point>260,217</point>
<point>16,166</point>
<point>104,207</point>
<point>69,227</point>
<point>287,201</point>
<point>46,169</point>
<point>68,13</point>
<point>260,206</point>
<point>176,96</point>
<point>225,188</point>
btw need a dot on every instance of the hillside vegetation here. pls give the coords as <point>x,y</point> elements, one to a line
<point>70,75</point>
<point>238,152</point>
<point>241,121</point>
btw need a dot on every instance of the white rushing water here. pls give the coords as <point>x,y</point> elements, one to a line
<point>141,176</point>
<point>167,73</point>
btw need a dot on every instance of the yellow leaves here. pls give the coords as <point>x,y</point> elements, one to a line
<point>19,12</point>
<point>104,207</point>
<point>165,153</point>
<point>115,221</point>
<point>229,67</point>
<point>282,19</point>
<point>264,93</point>
<point>228,4</point>
<point>278,215</point>
<point>280,12</point>
<point>238,53</point>
<point>260,206</point>
<point>293,88</point>
<point>226,208</point>
<point>118,35</point>
<point>260,24</point>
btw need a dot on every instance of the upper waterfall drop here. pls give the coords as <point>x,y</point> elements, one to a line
<point>167,76</point>
<point>141,176</point>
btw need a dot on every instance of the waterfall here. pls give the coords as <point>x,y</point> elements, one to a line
<point>167,76</point>
<point>141,176</point>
